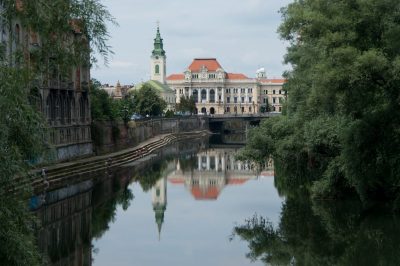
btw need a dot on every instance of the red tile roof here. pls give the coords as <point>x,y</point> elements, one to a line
<point>236,76</point>
<point>176,77</point>
<point>210,194</point>
<point>210,63</point>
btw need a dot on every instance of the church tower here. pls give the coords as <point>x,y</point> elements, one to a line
<point>159,200</point>
<point>158,62</point>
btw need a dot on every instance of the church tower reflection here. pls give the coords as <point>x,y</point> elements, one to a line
<point>159,200</point>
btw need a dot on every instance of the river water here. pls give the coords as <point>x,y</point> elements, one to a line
<point>191,203</point>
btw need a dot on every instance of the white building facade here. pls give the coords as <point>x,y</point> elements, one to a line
<point>216,91</point>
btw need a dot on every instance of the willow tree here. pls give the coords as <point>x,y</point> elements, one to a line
<point>23,138</point>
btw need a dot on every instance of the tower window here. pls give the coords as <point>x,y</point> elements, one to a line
<point>157,70</point>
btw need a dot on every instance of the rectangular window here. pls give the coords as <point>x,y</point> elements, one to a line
<point>228,99</point>
<point>235,100</point>
<point>227,90</point>
<point>250,99</point>
<point>242,99</point>
<point>265,100</point>
<point>273,92</point>
<point>274,100</point>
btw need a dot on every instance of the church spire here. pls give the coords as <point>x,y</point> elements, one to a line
<point>158,44</point>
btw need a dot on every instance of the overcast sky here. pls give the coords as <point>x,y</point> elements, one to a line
<point>241,34</point>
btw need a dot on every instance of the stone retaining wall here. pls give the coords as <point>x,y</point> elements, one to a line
<point>110,137</point>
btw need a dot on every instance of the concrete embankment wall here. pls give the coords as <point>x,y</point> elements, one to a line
<point>111,136</point>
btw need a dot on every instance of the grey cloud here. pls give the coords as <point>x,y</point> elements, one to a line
<point>240,33</point>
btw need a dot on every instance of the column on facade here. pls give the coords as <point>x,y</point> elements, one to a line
<point>199,162</point>
<point>208,95</point>
<point>216,163</point>
<point>223,163</point>
<point>208,162</point>
<point>190,92</point>
<point>199,96</point>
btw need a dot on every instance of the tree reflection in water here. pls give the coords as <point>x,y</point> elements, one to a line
<point>323,233</point>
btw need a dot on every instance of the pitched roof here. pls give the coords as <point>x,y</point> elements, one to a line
<point>210,63</point>
<point>176,77</point>
<point>236,76</point>
<point>156,85</point>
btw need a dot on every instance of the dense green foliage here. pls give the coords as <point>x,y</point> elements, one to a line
<point>342,120</point>
<point>322,233</point>
<point>105,108</point>
<point>21,140</point>
<point>148,102</point>
<point>186,105</point>
<point>23,136</point>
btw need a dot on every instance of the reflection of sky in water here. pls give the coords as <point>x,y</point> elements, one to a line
<point>193,232</point>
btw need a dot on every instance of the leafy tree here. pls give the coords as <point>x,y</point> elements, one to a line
<point>148,102</point>
<point>103,107</point>
<point>23,135</point>
<point>22,141</point>
<point>186,105</point>
<point>323,233</point>
<point>342,115</point>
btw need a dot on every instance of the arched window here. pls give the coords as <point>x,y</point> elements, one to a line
<point>212,96</point>
<point>203,95</point>
<point>157,70</point>
<point>196,96</point>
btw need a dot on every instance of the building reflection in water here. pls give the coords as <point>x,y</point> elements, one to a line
<point>213,170</point>
<point>72,216</point>
<point>65,232</point>
<point>204,175</point>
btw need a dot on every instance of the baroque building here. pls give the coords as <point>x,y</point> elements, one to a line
<point>216,91</point>
<point>61,95</point>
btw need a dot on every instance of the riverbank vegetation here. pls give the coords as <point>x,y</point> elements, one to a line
<point>148,102</point>
<point>23,130</point>
<point>340,132</point>
<point>105,108</point>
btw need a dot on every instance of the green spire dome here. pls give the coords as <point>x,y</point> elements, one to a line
<point>158,44</point>
<point>159,211</point>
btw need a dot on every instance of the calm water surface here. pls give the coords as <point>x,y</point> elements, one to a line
<point>191,203</point>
